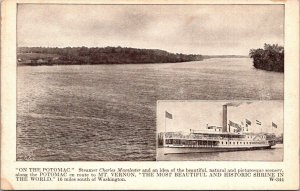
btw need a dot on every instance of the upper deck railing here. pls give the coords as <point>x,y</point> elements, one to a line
<point>192,136</point>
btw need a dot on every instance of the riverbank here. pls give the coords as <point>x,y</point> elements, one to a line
<point>271,58</point>
<point>35,56</point>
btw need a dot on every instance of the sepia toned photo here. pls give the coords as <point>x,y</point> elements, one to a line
<point>159,95</point>
<point>89,76</point>
<point>218,130</point>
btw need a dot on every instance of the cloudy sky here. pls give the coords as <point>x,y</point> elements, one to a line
<point>197,114</point>
<point>197,29</point>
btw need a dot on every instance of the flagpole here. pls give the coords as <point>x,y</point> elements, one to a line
<point>260,129</point>
<point>167,115</point>
<point>165,124</point>
<point>271,128</point>
<point>164,142</point>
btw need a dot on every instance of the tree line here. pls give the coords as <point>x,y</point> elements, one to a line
<point>271,58</point>
<point>105,55</point>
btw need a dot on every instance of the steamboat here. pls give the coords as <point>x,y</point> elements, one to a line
<point>215,139</point>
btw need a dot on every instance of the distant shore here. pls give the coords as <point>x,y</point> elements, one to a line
<point>225,56</point>
<point>42,56</point>
<point>36,56</point>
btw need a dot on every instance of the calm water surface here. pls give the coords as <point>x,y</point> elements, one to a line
<point>107,112</point>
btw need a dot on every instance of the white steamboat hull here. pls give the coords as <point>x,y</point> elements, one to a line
<point>179,150</point>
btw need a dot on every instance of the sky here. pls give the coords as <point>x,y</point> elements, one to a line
<point>189,29</point>
<point>196,115</point>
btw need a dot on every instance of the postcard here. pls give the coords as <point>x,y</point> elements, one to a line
<point>149,95</point>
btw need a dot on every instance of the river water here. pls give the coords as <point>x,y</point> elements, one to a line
<point>108,112</point>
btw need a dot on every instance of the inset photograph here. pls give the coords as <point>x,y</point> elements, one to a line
<point>220,130</point>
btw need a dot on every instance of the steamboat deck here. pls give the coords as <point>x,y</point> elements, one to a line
<point>215,139</point>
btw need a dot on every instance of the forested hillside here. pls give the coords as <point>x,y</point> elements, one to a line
<point>107,55</point>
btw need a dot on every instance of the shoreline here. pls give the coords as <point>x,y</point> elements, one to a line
<point>89,64</point>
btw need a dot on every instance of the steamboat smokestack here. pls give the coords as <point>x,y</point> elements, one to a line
<point>224,118</point>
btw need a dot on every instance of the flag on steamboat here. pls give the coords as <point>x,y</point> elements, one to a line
<point>168,115</point>
<point>248,122</point>
<point>258,122</point>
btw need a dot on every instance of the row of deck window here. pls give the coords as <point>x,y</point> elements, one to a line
<point>190,142</point>
<point>193,142</point>
<point>250,137</point>
<point>241,143</point>
<point>225,142</point>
